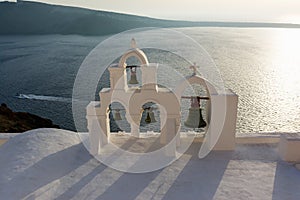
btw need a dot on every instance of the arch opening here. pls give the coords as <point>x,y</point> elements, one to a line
<point>150,126</point>
<point>195,110</point>
<point>139,54</point>
<point>133,74</point>
<point>150,118</point>
<point>118,120</point>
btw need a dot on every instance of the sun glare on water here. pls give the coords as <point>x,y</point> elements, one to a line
<point>286,56</point>
<point>284,74</point>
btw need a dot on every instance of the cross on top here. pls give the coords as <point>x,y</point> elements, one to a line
<point>133,43</point>
<point>194,68</point>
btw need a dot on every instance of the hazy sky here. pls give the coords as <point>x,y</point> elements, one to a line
<point>206,10</point>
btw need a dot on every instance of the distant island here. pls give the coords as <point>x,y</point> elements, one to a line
<point>32,18</point>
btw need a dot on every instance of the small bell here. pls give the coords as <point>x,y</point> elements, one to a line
<point>195,119</point>
<point>148,118</point>
<point>133,79</point>
<point>117,116</point>
<point>151,113</point>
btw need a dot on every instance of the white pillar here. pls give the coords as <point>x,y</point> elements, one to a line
<point>149,76</point>
<point>135,125</point>
<point>105,129</point>
<point>94,134</point>
<point>222,127</point>
<point>118,78</point>
<point>98,127</point>
<point>177,131</point>
<point>168,133</point>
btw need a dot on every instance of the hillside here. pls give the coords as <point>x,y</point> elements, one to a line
<point>16,122</point>
<point>39,18</point>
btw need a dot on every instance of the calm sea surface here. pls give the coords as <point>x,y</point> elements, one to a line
<point>261,65</point>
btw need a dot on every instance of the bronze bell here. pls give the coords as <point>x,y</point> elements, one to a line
<point>148,118</point>
<point>195,119</point>
<point>151,113</point>
<point>133,79</point>
<point>117,116</point>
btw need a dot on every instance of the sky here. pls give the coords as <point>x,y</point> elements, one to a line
<point>287,11</point>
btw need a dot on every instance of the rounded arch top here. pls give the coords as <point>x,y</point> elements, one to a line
<point>139,54</point>
<point>116,100</point>
<point>183,84</point>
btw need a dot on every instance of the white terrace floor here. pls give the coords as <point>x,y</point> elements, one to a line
<point>53,164</point>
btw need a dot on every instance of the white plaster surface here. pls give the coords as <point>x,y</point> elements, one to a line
<point>289,147</point>
<point>53,164</point>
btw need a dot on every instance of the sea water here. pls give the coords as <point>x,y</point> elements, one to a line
<point>261,65</point>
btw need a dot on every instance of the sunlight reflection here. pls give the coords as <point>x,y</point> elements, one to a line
<point>284,75</point>
<point>286,60</point>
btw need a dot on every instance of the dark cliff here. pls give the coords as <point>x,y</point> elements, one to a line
<point>16,122</point>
